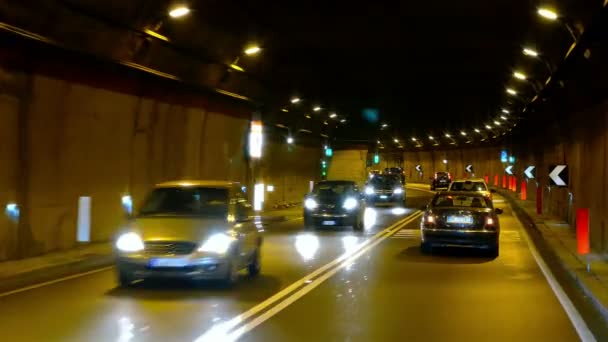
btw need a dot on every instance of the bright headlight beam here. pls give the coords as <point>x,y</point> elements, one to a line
<point>178,12</point>
<point>350,204</point>
<point>217,243</point>
<point>547,13</point>
<point>310,204</point>
<point>130,242</point>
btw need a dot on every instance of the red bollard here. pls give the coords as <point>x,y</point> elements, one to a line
<point>582,230</point>
<point>524,190</point>
<point>514,186</point>
<point>486,179</point>
<point>504,181</point>
<point>496,180</point>
<point>539,200</point>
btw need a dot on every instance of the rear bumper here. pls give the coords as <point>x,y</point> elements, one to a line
<point>464,238</point>
<point>210,268</point>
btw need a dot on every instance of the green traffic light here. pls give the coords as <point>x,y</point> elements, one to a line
<point>376,159</point>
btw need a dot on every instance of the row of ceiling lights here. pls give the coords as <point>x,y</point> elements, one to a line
<point>504,120</point>
<point>252,50</point>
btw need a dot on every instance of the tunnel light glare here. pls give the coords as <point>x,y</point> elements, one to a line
<point>308,117</point>
<point>431,137</point>
<point>179,12</point>
<point>384,125</point>
<point>290,140</point>
<point>270,188</point>
<point>497,123</point>
<point>398,211</point>
<point>252,50</point>
<point>511,91</point>
<point>307,246</point>
<point>503,117</point>
<point>316,108</point>
<point>448,136</point>
<point>505,111</point>
<point>333,115</point>
<point>396,140</point>
<point>256,139</point>
<point>477,130</point>
<point>413,139</point>
<point>530,52</point>
<point>463,133</point>
<point>445,161</point>
<point>488,127</point>
<point>369,217</point>
<point>350,243</point>
<point>295,100</point>
<point>343,120</point>
<point>237,67</point>
<point>547,13</point>
<point>520,75</point>
<point>258,196</point>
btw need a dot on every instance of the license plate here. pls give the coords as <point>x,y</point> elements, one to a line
<point>168,262</point>
<point>384,197</point>
<point>460,219</point>
<point>329,223</point>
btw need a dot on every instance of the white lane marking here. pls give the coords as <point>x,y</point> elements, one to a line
<point>575,317</point>
<point>54,281</point>
<point>420,189</point>
<point>406,234</point>
<point>222,332</point>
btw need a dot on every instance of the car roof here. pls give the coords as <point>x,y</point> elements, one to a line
<point>336,181</point>
<point>470,180</point>
<point>462,193</point>
<point>196,183</point>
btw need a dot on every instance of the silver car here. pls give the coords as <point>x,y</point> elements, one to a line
<point>202,230</point>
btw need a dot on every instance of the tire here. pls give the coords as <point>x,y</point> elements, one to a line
<point>426,248</point>
<point>232,275</point>
<point>358,224</point>
<point>255,267</point>
<point>125,279</point>
<point>494,251</point>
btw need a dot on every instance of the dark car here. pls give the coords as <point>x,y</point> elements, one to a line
<point>385,189</point>
<point>397,171</point>
<point>441,180</point>
<point>464,219</point>
<point>334,203</point>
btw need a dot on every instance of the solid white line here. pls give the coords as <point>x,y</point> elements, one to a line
<point>303,291</point>
<point>54,281</point>
<point>575,317</point>
<point>222,330</point>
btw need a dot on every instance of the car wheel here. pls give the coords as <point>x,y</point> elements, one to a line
<point>232,274</point>
<point>125,279</point>
<point>254,268</point>
<point>358,224</point>
<point>426,248</point>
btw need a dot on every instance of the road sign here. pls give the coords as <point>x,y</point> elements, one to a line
<point>509,169</point>
<point>558,175</point>
<point>469,168</point>
<point>512,159</point>
<point>418,167</point>
<point>504,156</point>
<point>529,172</point>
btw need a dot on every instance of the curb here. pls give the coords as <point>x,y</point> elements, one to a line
<point>548,251</point>
<point>54,272</point>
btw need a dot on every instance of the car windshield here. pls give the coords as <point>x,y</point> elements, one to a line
<point>188,201</point>
<point>468,186</point>
<point>441,174</point>
<point>447,200</point>
<point>333,189</point>
<point>384,180</point>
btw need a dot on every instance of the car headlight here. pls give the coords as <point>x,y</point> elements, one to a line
<point>310,204</point>
<point>130,242</point>
<point>369,190</point>
<point>398,191</point>
<point>350,204</point>
<point>217,243</point>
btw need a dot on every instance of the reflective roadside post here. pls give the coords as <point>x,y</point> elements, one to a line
<point>582,233</point>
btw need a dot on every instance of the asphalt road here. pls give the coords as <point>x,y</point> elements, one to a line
<point>333,285</point>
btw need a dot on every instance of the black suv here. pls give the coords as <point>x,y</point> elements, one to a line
<point>397,171</point>
<point>385,189</point>
<point>334,203</point>
<point>441,180</point>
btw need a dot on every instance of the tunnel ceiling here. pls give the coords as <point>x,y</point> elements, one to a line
<point>427,67</point>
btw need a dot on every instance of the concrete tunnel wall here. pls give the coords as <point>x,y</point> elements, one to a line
<point>80,140</point>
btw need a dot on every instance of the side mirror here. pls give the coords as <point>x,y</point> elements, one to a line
<point>498,211</point>
<point>493,191</point>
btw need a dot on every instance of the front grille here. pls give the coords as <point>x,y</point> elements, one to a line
<point>384,192</point>
<point>166,247</point>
